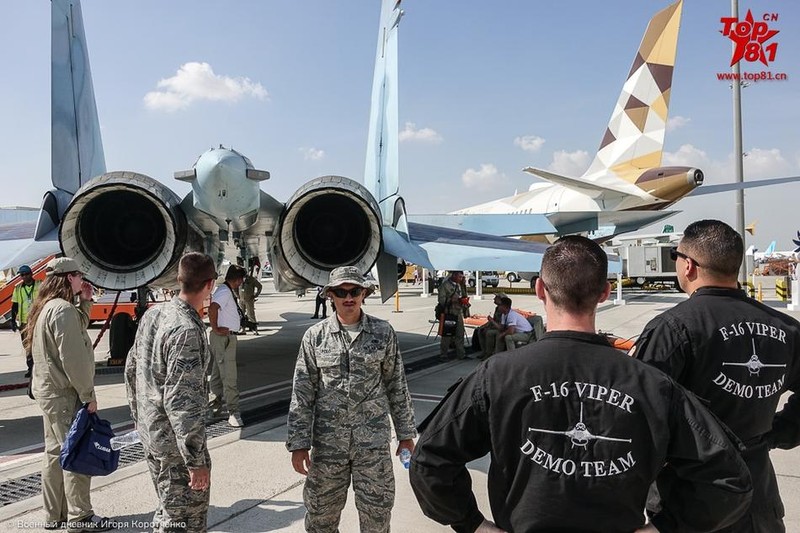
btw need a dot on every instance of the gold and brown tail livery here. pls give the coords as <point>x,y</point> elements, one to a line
<point>634,138</point>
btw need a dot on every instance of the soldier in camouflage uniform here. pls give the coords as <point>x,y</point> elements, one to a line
<point>167,390</point>
<point>348,379</point>
<point>451,293</point>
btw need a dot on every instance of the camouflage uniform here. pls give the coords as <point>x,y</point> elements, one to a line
<point>345,386</point>
<point>167,390</point>
<point>450,294</point>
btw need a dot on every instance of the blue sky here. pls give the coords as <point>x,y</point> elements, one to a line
<point>288,84</point>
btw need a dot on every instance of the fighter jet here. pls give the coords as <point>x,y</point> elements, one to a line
<point>754,365</point>
<point>127,230</point>
<point>580,434</point>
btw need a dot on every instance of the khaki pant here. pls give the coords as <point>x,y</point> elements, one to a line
<point>325,490</point>
<point>223,378</point>
<point>65,494</point>
<point>249,308</point>
<point>512,339</point>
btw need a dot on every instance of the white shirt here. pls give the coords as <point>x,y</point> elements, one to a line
<point>520,323</point>
<point>228,316</point>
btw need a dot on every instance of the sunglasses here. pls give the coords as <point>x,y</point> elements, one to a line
<point>674,254</point>
<point>355,292</point>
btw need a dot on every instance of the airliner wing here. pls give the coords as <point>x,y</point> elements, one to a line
<point>438,248</point>
<point>500,225</point>
<point>725,187</point>
<point>586,187</point>
<point>622,221</point>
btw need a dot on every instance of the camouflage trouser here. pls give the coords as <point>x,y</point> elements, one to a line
<point>65,494</point>
<point>180,508</point>
<point>325,491</point>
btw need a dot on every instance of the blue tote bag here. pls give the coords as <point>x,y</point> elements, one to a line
<point>87,448</point>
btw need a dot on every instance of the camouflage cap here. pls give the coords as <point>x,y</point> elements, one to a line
<point>347,274</point>
<point>62,265</point>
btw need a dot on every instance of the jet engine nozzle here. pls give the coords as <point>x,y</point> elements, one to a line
<point>329,222</point>
<point>125,230</point>
<point>695,177</point>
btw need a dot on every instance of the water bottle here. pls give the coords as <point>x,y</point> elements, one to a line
<point>405,458</point>
<point>132,437</point>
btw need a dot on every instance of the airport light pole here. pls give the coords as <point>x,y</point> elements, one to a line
<point>737,147</point>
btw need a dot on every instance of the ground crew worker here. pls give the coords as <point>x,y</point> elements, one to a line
<point>21,301</point>
<point>348,380</point>
<point>734,352</point>
<point>451,301</point>
<point>165,378</point>
<point>511,328</point>
<point>320,301</point>
<point>225,320</point>
<point>63,381</point>
<point>491,324</point>
<point>250,290</point>
<point>576,430</point>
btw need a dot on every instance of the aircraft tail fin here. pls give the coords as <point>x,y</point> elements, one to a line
<point>770,249</point>
<point>634,138</point>
<point>77,148</point>
<point>382,168</point>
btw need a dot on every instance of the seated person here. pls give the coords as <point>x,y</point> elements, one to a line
<point>511,328</point>
<point>492,323</point>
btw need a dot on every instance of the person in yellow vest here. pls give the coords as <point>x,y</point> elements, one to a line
<point>21,301</point>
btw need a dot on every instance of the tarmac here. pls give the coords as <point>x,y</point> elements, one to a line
<point>254,487</point>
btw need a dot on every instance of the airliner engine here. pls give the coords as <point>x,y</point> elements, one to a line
<point>126,230</point>
<point>330,221</point>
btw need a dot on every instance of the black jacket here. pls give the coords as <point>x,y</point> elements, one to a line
<point>739,356</point>
<point>577,432</point>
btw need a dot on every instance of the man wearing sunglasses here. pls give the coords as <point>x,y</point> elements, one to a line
<point>348,380</point>
<point>737,354</point>
<point>575,430</point>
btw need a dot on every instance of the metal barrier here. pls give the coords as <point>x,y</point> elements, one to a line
<point>782,289</point>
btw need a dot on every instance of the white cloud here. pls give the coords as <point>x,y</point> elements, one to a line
<point>484,179</point>
<point>197,81</point>
<point>765,163</point>
<point>570,163</point>
<point>677,122</point>
<point>411,133</point>
<point>529,143</point>
<point>312,154</point>
<point>686,156</point>
<point>759,163</point>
